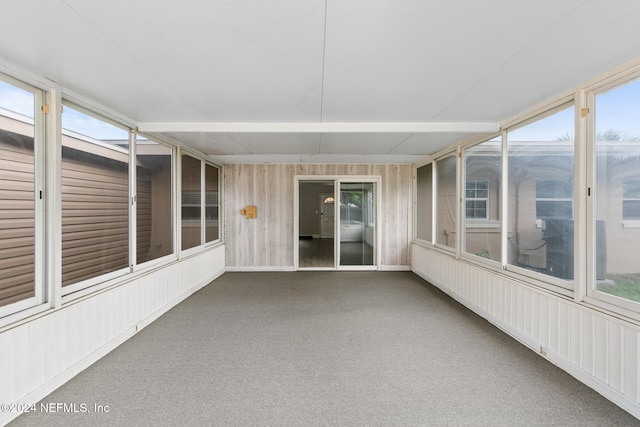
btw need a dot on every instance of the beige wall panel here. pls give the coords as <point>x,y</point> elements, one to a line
<point>267,241</point>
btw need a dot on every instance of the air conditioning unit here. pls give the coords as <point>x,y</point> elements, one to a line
<point>558,235</point>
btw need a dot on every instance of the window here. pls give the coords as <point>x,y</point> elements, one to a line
<point>154,200</point>
<point>424,215</point>
<point>20,285</point>
<point>482,174</point>
<point>631,200</point>
<point>554,198</point>
<point>540,176</point>
<point>357,223</point>
<point>617,194</point>
<point>95,197</point>
<point>191,197</point>
<point>115,211</point>
<point>446,201</point>
<point>212,212</point>
<point>477,199</point>
<point>351,207</point>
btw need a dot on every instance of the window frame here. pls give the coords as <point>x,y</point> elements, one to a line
<point>173,255</point>
<point>36,302</point>
<point>570,200</point>
<point>476,199</point>
<point>431,203</point>
<point>543,280</point>
<point>625,198</point>
<point>218,204</point>
<point>203,203</point>
<point>592,295</point>
<point>456,206</point>
<point>81,287</point>
<point>490,223</point>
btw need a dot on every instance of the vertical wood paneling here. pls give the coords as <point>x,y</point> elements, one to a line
<point>545,322</point>
<point>575,336</point>
<point>267,241</point>
<point>554,329</point>
<point>631,361</point>
<point>6,367</point>
<point>534,317</point>
<point>21,373</point>
<point>520,308</point>
<point>62,341</point>
<point>587,347</point>
<point>601,361</point>
<point>564,332</point>
<point>73,334</point>
<point>616,346</point>
<point>512,318</point>
<point>51,358</point>
<point>36,351</point>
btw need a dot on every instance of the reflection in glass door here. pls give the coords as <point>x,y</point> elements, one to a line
<point>357,224</point>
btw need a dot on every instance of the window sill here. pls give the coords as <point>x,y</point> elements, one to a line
<point>482,223</point>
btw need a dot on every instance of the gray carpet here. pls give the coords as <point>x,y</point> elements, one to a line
<point>326,348</point>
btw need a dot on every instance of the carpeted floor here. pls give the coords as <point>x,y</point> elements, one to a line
<point>326,348</point>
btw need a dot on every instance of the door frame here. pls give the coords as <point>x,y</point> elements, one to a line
<point>337,180</point>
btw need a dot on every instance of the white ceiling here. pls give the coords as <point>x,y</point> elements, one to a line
<point>316,80</point>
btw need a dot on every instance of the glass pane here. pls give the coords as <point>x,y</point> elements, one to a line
<point>446,205</point>
<point>17,185</point>
<point>554,189</point>
<point>617,192</point>
<point>154,229</point>
<point>631,209</point>
<point>212,229</point>
<point>483,180</point>
<point>541,164</point>
<point>357,223</point>
<point>425,203</point>
<point>95,197</point>
<point>316,224</point>
<point>191,202</point>
<point>547,209</point>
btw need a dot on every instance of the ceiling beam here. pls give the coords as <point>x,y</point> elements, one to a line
<point>387,127</point>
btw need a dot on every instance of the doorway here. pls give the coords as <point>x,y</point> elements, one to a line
<point>336,223</point>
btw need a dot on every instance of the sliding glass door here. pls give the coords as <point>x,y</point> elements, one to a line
<point>336,226</point>
<point>316,224</point>
<point>357,223</point>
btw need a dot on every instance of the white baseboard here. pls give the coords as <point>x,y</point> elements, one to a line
<point>289,268</point>
<point>394,268</point>
<point>254,268</point>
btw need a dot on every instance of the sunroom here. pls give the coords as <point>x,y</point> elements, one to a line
<point>492,150</point>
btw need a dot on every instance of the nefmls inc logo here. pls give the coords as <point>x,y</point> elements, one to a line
<point>67,408</point>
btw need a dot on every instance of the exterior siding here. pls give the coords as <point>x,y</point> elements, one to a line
<point>95,230</point>
<point>17,217</point>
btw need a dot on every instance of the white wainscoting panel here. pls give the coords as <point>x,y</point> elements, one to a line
<point>39,355</point>
<point>600,350</point>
